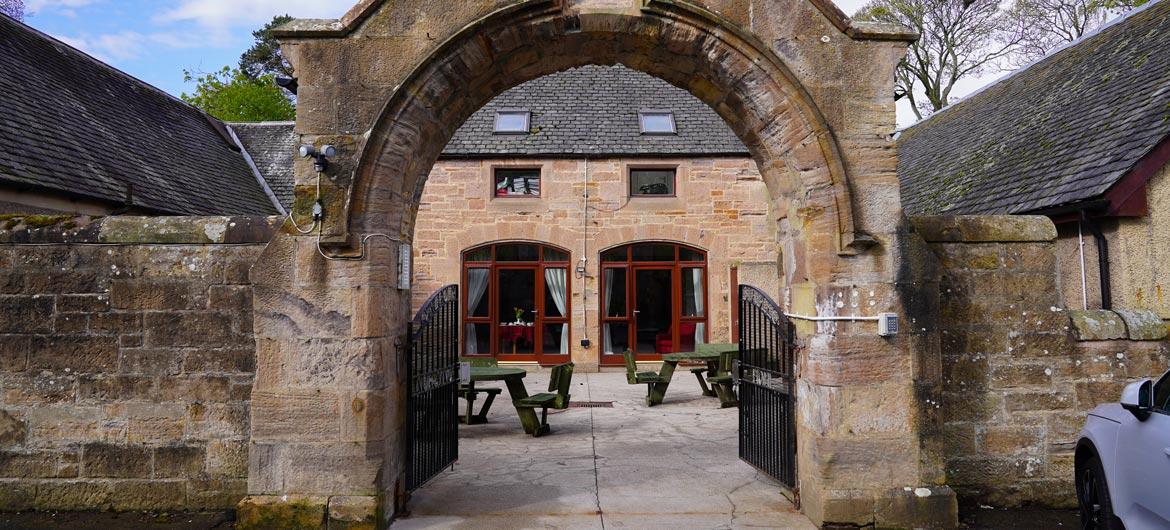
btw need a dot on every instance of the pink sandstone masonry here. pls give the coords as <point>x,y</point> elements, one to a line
<point>720,206</point>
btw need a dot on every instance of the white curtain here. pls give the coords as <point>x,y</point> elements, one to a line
<point>606,338</point>
<point>555,280</point>
<point>697,290</point>
<point>477,283</point>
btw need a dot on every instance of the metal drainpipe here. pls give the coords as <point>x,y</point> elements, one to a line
<point>1102,260</point>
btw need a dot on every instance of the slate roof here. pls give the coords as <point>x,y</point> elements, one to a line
<point>593,110</point>
<point>72,125</point>
<point>272,146</point>
<point>1062,131</point>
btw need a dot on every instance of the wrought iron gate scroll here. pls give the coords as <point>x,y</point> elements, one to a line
<point>432,367</point>
<point>765,373</point>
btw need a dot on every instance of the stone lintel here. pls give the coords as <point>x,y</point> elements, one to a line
<point>984,228</point>
<point>1097,324</point>
<point>1143,324</point>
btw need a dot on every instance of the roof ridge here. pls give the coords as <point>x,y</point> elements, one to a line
<point>1050,55</point>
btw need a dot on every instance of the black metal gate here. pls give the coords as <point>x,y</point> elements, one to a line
<point>432,367</point>
<point>766,375</point>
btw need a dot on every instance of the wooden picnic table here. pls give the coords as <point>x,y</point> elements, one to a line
<point>514,379</point>
<point>708,353</point>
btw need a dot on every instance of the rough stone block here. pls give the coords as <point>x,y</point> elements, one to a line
<point>1143,324</point>
<point>26,314</point>
<point>179,461</point>
<point>1097,324</point>
<point>115,461</point>
<point>85,354</point>
<point>928,507</point>
<point>14,353</point>
<point>13,430</point>
<point>353,513</point>
<point>203,330</point>
<point>17,495</point>
<point>148,495</point>
<point>73,495</point>
<point>215,494</point>
<point>28,464</point>
<point>151,295</point>
<point>281,513</point>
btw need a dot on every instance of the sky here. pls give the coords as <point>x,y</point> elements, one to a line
<point>156,40</point>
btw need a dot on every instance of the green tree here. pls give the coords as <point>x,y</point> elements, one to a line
<point>264,57</point>
<point>232,95</point>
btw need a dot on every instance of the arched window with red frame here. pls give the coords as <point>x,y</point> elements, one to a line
<point>653,300</point>
<point>517,302</point>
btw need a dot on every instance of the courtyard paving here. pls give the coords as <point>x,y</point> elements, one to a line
<point>672,466</point>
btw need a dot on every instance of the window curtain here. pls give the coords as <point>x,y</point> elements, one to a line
<point>477,283</point>
<point>555,280</point>
<point>606,338</point>
<point>697,295</point>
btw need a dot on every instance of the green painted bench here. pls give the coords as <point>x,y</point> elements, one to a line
<point>656,382</point>
<point>557,397</point>
<point>470,393</point>
<point>723,382</point>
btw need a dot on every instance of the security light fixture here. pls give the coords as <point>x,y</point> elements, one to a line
<point>659,122</point>
<point>513,121</point>
<point>320,156</point>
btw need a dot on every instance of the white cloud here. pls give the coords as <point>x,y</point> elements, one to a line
<point>250,13</point>
<point>66,6</point>
<point>109,47</point>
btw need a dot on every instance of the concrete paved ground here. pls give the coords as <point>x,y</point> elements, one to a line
<point>672,466</point>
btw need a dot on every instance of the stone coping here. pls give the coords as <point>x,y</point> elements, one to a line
<point>1121,324</point>
<point>19,229</point>
<point>984,228</point>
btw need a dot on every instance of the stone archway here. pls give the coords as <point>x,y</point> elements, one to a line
<point>806,91</point>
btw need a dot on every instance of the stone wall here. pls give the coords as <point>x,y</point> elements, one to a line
<point>1020,370</point>
<point>126,361</point>
<point>1139,247</point>
<point>720,206</point>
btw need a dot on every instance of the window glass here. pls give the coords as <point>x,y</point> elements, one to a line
<point>657,122</point>
<point>556,291</point>
<point>516,252</point>
<point>615,292</point>
<point>477,292</point>
<point>615,337</point>
<point>692,295</point>
<point>552,254</point>
<point>652,252</point>
<point>512,121</point>
<point>651,182</point>
<point>556,339</point>
<point>477,339</point>
<point>517,183</point>
<point>686,254</point>
<point>480,254</point>
<point>1162,394</point>
<point>617,254</point>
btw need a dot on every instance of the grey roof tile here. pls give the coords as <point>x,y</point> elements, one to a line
<point>70,124</point>
<point>1061,131</point>
<point>272,146</point>
<point>593,111</point>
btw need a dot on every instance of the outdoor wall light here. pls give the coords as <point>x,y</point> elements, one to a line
<point>320,156</point>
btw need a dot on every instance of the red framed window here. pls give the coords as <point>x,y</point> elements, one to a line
<point>653,300</point>
<point>517,301</point>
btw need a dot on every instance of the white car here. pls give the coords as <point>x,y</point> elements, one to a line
<point>1123,460</point>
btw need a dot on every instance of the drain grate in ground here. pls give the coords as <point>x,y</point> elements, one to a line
<point>591,404</point>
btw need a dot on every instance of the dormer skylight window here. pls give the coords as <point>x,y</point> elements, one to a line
<point>657,122</point>
<point>513,121</point>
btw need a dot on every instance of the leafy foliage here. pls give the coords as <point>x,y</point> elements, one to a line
<point>232,95</point>
<point>13,8</point>
<point>264,57</point>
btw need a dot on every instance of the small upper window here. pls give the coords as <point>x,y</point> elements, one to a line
<point>650,182</point>
<point>517,182</point>
<point>657,122</point>
<point>512,121</point>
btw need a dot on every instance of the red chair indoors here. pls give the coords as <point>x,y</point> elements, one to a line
<point>664,343</point>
